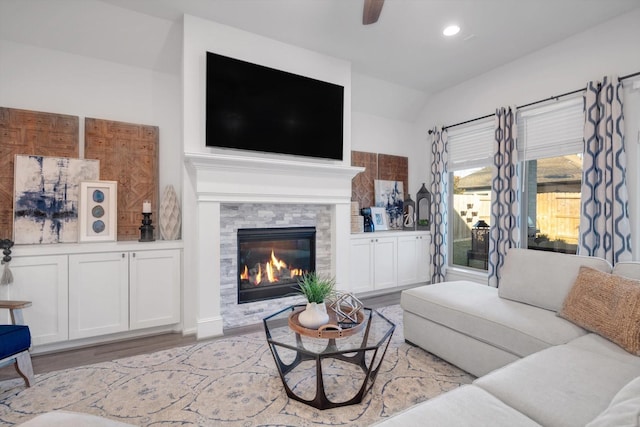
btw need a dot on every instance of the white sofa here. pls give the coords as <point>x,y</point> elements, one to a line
<point>71,419</point>
<point>534,368</point>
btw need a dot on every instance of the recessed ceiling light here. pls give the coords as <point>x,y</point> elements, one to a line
<point>451,30</point>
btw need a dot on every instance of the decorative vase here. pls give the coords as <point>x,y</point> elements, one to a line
<point>169,214</point>
<point>314,316</point>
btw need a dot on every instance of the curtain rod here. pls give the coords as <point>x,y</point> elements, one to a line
<point>551,98</point>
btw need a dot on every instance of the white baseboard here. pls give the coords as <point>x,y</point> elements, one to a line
<point>209,328</point>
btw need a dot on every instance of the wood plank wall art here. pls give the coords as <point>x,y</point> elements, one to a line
<point>394,168</point>
<point>128,153</point>
<point>377,166</point>
<point>362,185</point>
<point>30,133</point>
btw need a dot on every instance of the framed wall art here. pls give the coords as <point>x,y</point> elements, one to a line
<point>380,218</point>
<point>46,197</point>
<point>98,211</point>
<point>390,195</point>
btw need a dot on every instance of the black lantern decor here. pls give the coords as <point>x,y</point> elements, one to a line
<point>479,243</point>
<point>409,214</point>
<point>423,211</point>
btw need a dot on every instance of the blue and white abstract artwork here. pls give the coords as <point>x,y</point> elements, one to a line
<point>45,208</point>
<point>390,195</point>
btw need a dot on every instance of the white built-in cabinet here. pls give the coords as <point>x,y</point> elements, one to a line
<point>95,289</point>
<point>119,291</point>
<point>43,280</point>
<point>373,263</point>
<point>385,260</point>
<point>154,298</point>
<point>98,294</point>
<point>413,259</point>
<point>361,265</point>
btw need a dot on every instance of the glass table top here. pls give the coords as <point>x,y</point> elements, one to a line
<point>376,331</point>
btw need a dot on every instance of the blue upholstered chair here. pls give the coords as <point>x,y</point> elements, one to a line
<point>15,340</point>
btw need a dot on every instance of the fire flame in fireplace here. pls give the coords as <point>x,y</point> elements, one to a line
<point>277,263</point>
<point>274,270</point>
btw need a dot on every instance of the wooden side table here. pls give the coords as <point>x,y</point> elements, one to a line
<point>15,309</point>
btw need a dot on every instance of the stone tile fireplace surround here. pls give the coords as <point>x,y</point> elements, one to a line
<point>232,191</point>
<point>265,215</point>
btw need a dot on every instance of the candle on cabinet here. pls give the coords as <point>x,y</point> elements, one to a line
<point>146,206</point>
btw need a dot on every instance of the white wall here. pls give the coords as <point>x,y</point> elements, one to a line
<point>378,134</point>
<point>383,122</point>
<point>608,49</point>
<point>201,36</point>
<point>385,99</point>
<point>39,79</point>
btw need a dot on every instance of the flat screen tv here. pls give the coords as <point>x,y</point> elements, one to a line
<point>252,107</point>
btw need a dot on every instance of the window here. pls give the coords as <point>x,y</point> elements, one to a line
<point>550,142</point>
<point>470,154</point>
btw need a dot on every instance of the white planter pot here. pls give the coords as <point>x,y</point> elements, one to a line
<point>314,316</point>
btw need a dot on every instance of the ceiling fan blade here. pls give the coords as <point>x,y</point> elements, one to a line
<point>371,12</point>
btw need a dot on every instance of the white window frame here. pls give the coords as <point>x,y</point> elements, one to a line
<point>548,130</point>
<point>470,146</point>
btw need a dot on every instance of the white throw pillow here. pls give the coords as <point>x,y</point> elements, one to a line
<point>543,279</point>
<point>624,409</point>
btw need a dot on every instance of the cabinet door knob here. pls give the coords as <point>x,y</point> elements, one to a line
<point>134,254</point>
<point>122,255</point>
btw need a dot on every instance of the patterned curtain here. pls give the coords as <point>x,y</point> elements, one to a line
<point>505,223</point>
<point>439,191</point>
<point>604,220</point>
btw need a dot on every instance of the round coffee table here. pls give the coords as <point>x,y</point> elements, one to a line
<point>328,372</point>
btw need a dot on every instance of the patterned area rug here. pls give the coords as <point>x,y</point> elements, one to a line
<point>225,382</point>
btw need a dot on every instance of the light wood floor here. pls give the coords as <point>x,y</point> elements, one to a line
<point>43,363</point>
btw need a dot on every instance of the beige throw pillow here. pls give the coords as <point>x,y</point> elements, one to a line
<point>606,304</point>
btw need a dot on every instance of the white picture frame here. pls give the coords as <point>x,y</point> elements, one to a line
<point>98,219</point>
<point>379,217</point>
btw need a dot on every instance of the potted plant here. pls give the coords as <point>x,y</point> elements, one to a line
<point>315,289</point>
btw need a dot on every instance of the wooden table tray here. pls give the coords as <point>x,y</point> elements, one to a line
<point>330,330</point>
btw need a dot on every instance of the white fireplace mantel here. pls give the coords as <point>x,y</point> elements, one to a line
<point>231,162</point>
<point>222,178</point>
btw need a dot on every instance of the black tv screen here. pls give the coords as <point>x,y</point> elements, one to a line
<point>252,107</point>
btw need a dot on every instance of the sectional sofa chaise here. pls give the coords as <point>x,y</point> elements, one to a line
<point>557,344</point>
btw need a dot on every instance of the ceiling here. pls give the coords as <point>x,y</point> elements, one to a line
<point>405,46</point>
